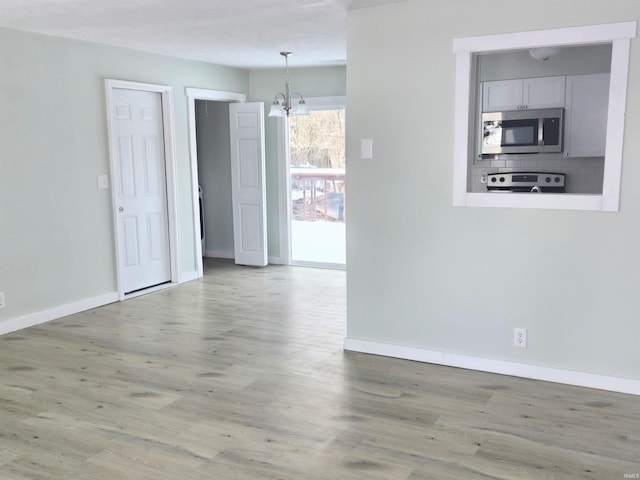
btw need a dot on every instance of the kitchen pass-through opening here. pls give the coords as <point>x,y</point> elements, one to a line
<point>580,72</point>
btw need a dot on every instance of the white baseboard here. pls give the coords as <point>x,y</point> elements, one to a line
<point>219,254</point>
<point>326,265</point>
<point>277,261</point>
<point>231,255</point>
<point>57,312</point>
<point>568,377</point>
<point>188,276</point>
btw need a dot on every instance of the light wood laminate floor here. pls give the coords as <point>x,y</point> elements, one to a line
<point>241,375</point>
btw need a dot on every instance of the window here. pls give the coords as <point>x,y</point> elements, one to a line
<point>317,180</point>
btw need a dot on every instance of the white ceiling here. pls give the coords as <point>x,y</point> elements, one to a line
<point>240,33</point>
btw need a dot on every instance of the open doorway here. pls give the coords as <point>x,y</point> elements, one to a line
<point>247,165</point>
<point>214,178</point>
<point>317,186</point>
<point>230,157</point>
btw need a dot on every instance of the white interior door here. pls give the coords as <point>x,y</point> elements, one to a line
<point>248,183</point>
<point>140,189</point>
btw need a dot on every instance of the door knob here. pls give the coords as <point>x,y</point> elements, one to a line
<point>121,209</point>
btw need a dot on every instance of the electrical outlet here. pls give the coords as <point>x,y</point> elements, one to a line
<point>519,337</point>
<point>1,299</point>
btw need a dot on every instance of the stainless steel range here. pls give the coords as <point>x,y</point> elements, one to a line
<point>533,182</point>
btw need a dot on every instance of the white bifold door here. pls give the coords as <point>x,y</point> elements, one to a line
<point>248,183</point>
<point>140,189</point>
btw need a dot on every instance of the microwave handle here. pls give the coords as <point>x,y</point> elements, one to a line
<point>541,131</point>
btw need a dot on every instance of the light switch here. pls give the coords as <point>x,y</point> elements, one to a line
<point>103,182</point>
<point>366,148</point>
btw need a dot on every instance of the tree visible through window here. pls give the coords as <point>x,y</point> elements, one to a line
<point>317,140</point>
<point>317,154</point>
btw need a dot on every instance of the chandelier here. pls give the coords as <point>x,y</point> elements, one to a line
<point>282,103</point>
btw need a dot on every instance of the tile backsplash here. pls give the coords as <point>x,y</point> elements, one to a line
<point>583,175</point>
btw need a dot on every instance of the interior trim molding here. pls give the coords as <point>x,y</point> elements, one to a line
<point>170,161</point>
<point>189,276</point>
<point>44,316</point>
<point>523,370</point>
<point>192,95</point>
<point>278,260</point>
<point>327,265</point>
<point>213,253</point>
<point>284,189</point>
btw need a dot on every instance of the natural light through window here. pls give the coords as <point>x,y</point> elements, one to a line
<point>317,169</point>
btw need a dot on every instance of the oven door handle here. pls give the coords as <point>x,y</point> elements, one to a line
<point>536,189</point>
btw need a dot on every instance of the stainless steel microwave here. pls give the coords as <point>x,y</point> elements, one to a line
<point>523,131</point>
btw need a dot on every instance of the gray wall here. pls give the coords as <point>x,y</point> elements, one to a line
<point>427,275</point>
<point>569,61</point>
<point>56,234</point>
<point>214,175</point>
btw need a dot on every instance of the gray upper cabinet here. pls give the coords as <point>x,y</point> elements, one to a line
<point>584,97</point>
<point>523,93</point>
<point>587,103</point>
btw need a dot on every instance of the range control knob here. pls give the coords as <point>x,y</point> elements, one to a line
<point>494,179</point>
<point>548,179</point>
<point>502,179</point>
<point>557,179</point>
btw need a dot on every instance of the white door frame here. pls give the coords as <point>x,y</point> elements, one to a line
<point>194,94</point>
<point>170,168</point>
<point>284,171</point>
<point>284,191</point>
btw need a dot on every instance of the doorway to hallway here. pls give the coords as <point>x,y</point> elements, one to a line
<point>244,149</point>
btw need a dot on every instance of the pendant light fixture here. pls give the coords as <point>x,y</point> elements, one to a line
<point>544,53</point>
<point>281,106</point>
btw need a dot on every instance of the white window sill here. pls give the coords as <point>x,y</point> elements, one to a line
<point>553,201</point>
